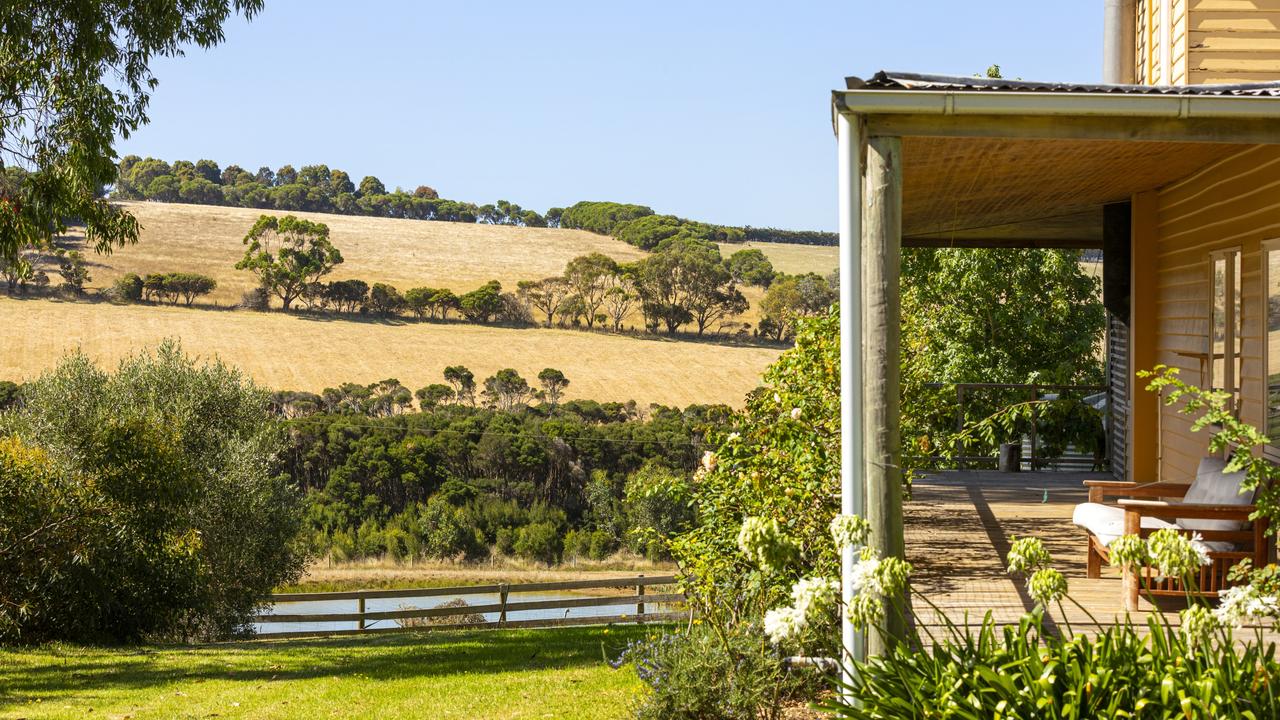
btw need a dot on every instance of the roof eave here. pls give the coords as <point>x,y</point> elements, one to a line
<point>1051,104</point>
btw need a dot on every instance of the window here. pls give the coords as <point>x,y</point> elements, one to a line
<point>1225,323</point>
<point>1271,348</point>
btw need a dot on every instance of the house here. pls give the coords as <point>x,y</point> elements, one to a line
<point>1171,168</point>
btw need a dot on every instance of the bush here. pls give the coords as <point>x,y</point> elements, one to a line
<point>128,288</point>
<point>256,299</point>
<point>539,541</point>
<point>696,675</point>
<point>505,541</point>
<point>141,503</point>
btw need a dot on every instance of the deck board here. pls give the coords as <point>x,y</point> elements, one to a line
<point>960,525</point>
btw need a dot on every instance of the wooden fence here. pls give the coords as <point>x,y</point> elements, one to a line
<point>505,605</point>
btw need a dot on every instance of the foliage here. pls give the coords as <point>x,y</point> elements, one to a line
<point>781,463</point>
<point>288,254</point>
<point>685,281</point>
<point>990,316</point>
<point>76,75</point>
<point>600,217</point>
<point>1243,442</point>
<point>143,502</point>
<point>176,286</point>
<point>750,267</point>
<point>128,288</point>
<point>540,541</point>
<point>72,269</point>
<point>696,674</point>
<point>791,298</point>
<point>482,304</point>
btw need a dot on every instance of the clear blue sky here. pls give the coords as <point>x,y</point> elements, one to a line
<point>717,111</point>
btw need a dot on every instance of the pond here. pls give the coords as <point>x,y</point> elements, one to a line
<point>316,607</point>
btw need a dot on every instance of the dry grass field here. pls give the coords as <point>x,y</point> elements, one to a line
<point>405,253</point>
<point>793,259</point>
<point>295,352</point>
<point>300,353</point>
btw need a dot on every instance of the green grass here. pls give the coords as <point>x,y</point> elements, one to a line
<point>559,673</point>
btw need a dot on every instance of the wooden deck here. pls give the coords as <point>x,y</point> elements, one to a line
<point>960,525</point>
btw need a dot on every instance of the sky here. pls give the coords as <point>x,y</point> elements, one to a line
<point>716,111</point>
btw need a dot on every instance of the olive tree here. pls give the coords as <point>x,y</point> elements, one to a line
<point>142,502</point>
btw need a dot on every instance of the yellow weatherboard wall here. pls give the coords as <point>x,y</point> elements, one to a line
<point>1180,42</point>
<point>1234,203</point>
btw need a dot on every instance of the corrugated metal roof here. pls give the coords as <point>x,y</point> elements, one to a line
<point>885,80</point>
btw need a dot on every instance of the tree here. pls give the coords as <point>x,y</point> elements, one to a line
<point>992,316</point>
<point>434,395</point>
<point>443,301</point>
<point>619,298</point>
<point>418,300</point>
<point>346,295</point>
<point>545,296</point>
<point>506,390</point>
<point>685,281</point>
<point>73,271</point>
<point>749,266</point>
<point>152,510</point>
<point>385,300</point>
<point>482,304</point>
<point>191,285</point>
<point>790,298</point>
<point>371,185</point>
<point>209,170</point>
<point>553,384</point>
<point>463,382</point>
<point>588,279</point>
<point>287,253</point>
<point>286,175</point>
<point>75,76</point>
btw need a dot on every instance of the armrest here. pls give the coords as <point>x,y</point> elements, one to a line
<point>1101,489</point>
<point>1173,509</point>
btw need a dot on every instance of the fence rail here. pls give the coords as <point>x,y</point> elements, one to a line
<point>505,605</point>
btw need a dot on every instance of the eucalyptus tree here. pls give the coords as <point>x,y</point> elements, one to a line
<point>587,277</point>
<point>74,75</point>
<point>287,254</point>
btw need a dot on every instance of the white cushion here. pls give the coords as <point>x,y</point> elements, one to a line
<point>1106,522</point>
<point>1214,487</point>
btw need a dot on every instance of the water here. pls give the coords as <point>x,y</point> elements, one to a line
<point>391,604</point>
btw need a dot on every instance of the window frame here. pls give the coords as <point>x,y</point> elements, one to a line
<point>1232,321</point>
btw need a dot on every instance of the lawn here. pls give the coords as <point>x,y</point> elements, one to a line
<point>557,673</point>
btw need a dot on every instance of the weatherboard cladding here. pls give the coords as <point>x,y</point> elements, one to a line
<point>885,80</point>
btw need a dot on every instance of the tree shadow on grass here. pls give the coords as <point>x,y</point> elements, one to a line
<point>382,657</point>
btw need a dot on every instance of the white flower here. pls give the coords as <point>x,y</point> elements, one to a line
<point>1239,603</point>
<point>849,531</point>
<point>733,437</point>
<point>777,398</point>
<point>1202,550</point>
<point>795,413</point>
<point>709,461</point>
<point>863,578</point>
<point>813,596</point>
<point>783,624</point>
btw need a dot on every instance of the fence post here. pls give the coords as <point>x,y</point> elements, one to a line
<point>502,600</point>
<point>640,605</point>
<point>360,610</point>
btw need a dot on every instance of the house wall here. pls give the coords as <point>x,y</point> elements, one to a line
<point>1209,41</point>
<point>1234,203</point>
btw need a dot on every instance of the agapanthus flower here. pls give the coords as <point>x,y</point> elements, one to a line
<point>783,624</point>
<point>1174,554</point>
<point>1197,624</point>
<point>1128,551</point>
<point>1047,585</point>
<point>814,596</point>
<point>1028,555</point>
<point>849,531</point>
<point>762,542</point>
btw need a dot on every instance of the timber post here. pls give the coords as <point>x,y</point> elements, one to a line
<point>640,604</point>
<point>881,257</point>
<point>360,611</point>
<point>502,601</point>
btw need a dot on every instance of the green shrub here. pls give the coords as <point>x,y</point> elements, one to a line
<point>601,545</point>
<point>150,503</point>
<point>696,674</point>
<point>540,541</point>
<point>128,288</point>
<point>505,540</point>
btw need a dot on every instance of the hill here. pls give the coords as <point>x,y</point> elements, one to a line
<point>299,352</point>
<point>308,353</point>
